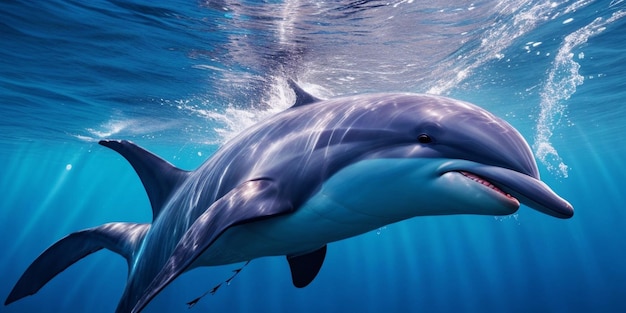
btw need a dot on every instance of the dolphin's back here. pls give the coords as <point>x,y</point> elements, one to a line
<point>288,144</point>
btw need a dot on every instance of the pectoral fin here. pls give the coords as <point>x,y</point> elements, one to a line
<point>305,267</point>
<point>250,201</point>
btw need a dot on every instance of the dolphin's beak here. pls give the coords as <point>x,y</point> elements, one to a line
<point>528,190</point>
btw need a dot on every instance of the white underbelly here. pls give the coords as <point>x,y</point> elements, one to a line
<point>318,222</point>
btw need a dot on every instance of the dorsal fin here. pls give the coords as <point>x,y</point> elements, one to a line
<point>158,176</point>
<point>302,97</point>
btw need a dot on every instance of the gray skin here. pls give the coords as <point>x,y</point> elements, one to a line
<point>321,171</point>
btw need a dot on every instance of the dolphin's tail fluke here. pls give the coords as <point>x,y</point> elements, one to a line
<point>159,177</point>
<point>121,238</point>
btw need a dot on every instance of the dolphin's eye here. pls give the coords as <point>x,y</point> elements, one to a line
<point>423,138</point>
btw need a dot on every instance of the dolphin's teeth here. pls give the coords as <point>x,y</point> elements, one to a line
<point>485,183</point>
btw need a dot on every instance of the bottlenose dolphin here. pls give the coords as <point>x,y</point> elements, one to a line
<point>318,172</point>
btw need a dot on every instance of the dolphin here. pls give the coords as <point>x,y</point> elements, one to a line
<point>318,172</point>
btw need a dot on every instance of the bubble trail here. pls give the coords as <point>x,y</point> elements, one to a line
<point>561,83</point>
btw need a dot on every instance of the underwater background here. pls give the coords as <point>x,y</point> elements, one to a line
<point>181,77</point>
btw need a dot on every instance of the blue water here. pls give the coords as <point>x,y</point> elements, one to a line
<point>181,77</point>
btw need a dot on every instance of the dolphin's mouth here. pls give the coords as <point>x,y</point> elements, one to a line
<point>513,186</point>
<point>490,185</point>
